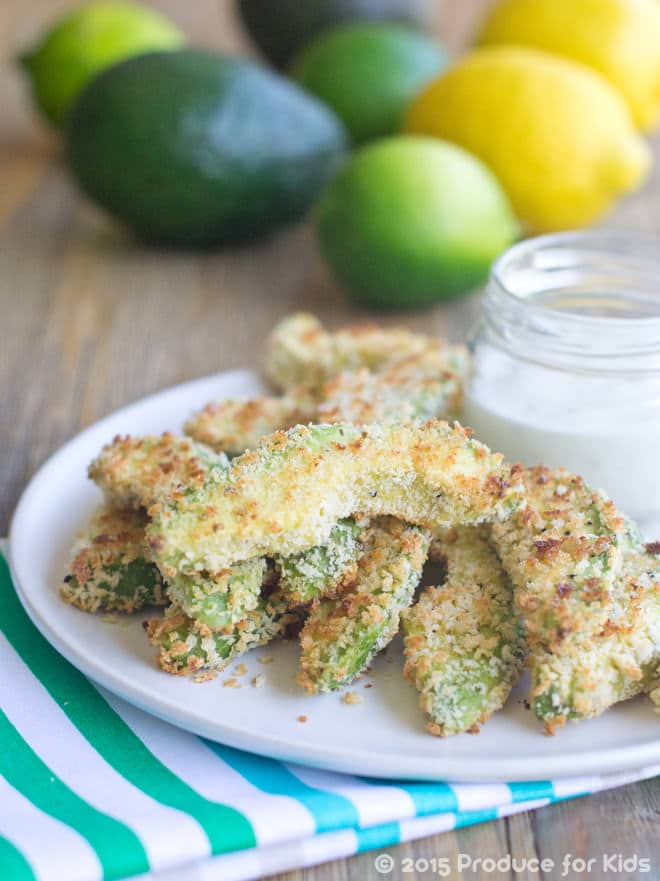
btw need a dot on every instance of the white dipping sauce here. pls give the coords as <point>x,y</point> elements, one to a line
<point>612,443</point>
<point>566,362</point>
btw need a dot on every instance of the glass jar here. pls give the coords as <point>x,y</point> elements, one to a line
<point>566,362</point>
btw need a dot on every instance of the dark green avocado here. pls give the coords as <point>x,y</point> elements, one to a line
<point>196,148</point>
<point>281,27</point>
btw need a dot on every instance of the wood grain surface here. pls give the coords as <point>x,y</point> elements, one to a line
<point>90,320</point>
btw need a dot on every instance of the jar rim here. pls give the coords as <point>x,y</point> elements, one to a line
<point>641,246</point>
<point>607,285</point>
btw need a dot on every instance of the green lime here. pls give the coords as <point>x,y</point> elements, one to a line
<point>412,221</point>
<point>369,74</point>
<point>87,41</point>
<point>280,28</point>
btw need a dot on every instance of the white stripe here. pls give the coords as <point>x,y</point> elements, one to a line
<point>374,804</point>
<point>274,818</point>
<point>256,865</point>
<point>71,757</point>
<point>480,796</point>
<point>55,851</point>
<point>420,827</point>
<point>575,786</point>
<point>532,805</point>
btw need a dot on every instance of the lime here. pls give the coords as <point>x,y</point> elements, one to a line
<point>369,73</point>
<point>280,28</point>
<point>558,136</point>
<point>87,41</point>
<point>412,221</point>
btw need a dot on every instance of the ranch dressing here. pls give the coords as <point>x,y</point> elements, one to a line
<point>566,362</point>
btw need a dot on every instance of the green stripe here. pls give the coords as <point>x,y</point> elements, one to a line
<point>13,864</point>
<point>117,847</point>
<point>226,828</point>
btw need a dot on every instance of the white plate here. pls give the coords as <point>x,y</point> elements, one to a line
<point>383,736</point>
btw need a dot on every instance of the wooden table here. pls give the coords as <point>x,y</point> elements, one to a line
<point>91,320</point>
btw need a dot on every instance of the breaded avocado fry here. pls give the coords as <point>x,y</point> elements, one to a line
<point>110,570</point>
<point>464,648</point>
<point>319,571</point>
<point>186,647</point>
<point>299,350</point>
<point>412,390</point>
<point>287,494</point>
<point>562,550</point>
<point>135,471</point>
<point>236,426</point>
<point>594,670</point>
<point>222,599</point>
<point>342,635</point>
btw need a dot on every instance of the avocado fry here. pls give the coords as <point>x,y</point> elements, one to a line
<point>322,570</point>
<point>134,472</point>
<point>464,647</point>
<point>594,670</point>
<point>233,427</point>
<point>110,570</point>
<point>186,647</point>
<point>562,550</point>
<point>300,351</point>
<point>342,635</point>
<point>287,494</point>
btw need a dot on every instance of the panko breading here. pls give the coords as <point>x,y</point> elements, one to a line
<point>594,670</point>
<point>562,551</point>
<point>415,389</point>
<point>464,648</point>
<point>221,599</point>
<point>236,426</point>
<point>412,390</point>
<point>110,570</point>
<point>342,635</point>
<point>186,647</point>
<point>287,494</point>
<point>135,471</point>
<point>321,570</point>
<point>300,351</point>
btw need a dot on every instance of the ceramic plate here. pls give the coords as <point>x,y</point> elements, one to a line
<point>383,736</point>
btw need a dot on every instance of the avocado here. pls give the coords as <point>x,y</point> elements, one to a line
<point>281,27</point>
<point>196,148</point>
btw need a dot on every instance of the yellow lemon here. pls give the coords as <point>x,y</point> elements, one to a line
<point>558,136</point>
<point>619,38</point>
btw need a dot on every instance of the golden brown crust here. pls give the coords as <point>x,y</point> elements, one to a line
<point>134,472</point>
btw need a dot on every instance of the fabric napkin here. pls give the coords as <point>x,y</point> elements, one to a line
<point>93,788</point>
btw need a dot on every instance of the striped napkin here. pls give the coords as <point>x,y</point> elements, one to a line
<point>93,788</point>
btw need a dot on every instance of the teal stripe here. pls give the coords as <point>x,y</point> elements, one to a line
<point>330,811</point>
<point>118,848</point>
<point>428,798</point>
<point>226,828</point>
<point>378,836</point>
<point>13,864</point>
<point>531,790</point>
<point>469,818</point>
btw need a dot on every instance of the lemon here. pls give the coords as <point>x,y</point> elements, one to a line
<point>558,136</point>
<point>619,38</point>
<point>87,41</point>
<point>412,221</point>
